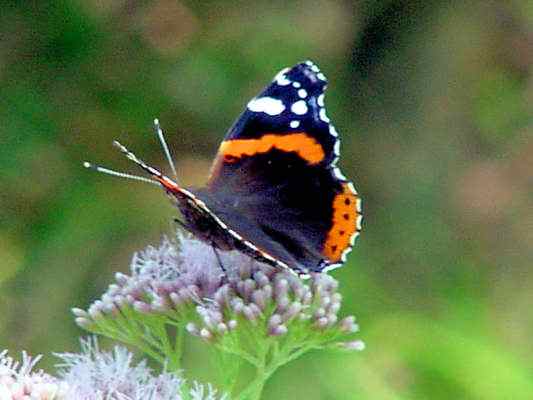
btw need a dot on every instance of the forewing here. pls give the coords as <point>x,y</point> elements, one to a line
<point>276,166</point>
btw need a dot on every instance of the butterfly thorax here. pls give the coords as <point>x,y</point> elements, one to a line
<point>200,222</point>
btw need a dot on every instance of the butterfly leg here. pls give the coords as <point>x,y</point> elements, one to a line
<point>219,260</point>
<point>183,225</point>
<point>217,255</point>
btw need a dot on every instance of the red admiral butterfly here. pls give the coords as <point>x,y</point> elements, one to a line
<point>274,191</point>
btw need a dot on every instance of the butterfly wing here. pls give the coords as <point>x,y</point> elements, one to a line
<point>276,169</point>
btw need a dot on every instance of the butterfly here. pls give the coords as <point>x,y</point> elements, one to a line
<point>274,191</point>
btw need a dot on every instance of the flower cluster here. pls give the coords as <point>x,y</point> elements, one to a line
<point>97,375</point>
<point>183,281</point>
<point>244,309</point>
<point>19,381</point>
<point>94,375</point>
<point>277,297</point>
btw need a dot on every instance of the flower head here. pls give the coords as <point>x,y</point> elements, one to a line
<point>94,375</point>
<point>18,380</point>
<point>245,309</point>
<point>183,278</point>
<point>97,375</point>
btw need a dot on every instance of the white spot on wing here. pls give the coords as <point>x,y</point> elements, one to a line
<point>321,76</point>
<point>353,237</point>
<point>332,131</point>
<point>337,147</point>
<point>358,205</point>
<point>235,234</point>
<point>358,222</point>
<point>267,105</point>
<point>299,107</point>
<point>302,93</point>
<point>267,256</point>
<point>320,100</point>
<point>281,79</point>
<point>188,194</point>
<point>338,174</point>
<point>345,253</point>
<point>332,267</point>
<point>352,188</point>
<point>294,124</point>
<point>296,85</point>
<point>222,224</point>
<point>250,245</point>
<point>323,116</point>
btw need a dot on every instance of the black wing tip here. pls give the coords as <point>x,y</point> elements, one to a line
<point>309,71</point>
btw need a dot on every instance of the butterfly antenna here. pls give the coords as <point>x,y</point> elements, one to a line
<point>163,179</point>
<point>161,137</point>
<point>99,168</point>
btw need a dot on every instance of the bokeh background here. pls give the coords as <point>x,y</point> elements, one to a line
<point>434,103</point>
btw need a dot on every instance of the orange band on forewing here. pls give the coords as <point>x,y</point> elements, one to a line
<point>304,145</point>
<point>344,225</point>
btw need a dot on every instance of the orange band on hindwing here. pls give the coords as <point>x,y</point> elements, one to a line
<point>345,221</point>
<point>304,145</point>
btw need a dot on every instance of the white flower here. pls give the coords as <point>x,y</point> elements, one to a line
<point>19,381</point>
<point>97,375</point>
<point>94,375</point>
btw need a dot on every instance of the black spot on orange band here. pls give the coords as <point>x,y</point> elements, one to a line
<point>344,224</point>
<point>302,144</point>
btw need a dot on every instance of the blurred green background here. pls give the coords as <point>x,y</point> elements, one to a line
<point>433,100</point>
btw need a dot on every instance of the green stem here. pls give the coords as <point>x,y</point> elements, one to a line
<point>242,354</point>
<point>176,353</point>
<point>255,388</point>
<point>232,382</point>
<point>185,391</point>
<point>264,371</point>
